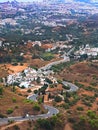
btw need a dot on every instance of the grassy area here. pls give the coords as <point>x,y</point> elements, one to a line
<point>47,56</point>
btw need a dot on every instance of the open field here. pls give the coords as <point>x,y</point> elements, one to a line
<point>6,69</point>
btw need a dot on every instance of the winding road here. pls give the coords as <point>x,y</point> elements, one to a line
<point>48,66</point>
<point>73,87</point>
<point>51,110</point>
<point>65,59</point>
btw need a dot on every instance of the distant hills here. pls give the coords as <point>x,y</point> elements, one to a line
<point>87,1</point>
<point>65,1</point>
<point>50,1</point>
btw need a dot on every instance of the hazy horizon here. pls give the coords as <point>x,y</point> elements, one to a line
<point>20,0</point>
<point>41,0</point>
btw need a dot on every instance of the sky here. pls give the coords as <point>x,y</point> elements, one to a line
<point>18,0</point>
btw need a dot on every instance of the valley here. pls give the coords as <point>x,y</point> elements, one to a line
<point>49,65</point>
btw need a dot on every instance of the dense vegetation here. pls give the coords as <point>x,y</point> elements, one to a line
<point>50,124</point>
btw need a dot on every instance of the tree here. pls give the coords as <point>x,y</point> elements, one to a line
<point>19,58</point>
<point>84,57</point>
<point>13,89</point>
<point>1,90</point>
<point>58,99</point>
<point>48,81</point>
<point>68,94</point>
<point>91,114</point>
<point>38,80</point>
<point>37,47</point>
<point>35,91</point>
<point>42,89</point>
<point>45,124</point>
<point>49,96</point>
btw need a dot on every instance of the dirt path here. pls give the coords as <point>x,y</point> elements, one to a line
<point>10,125</point>
<point>68,127</point>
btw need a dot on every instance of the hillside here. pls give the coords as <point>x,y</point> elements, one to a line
<point>13,104</point>
<point>85,72</point>
<point>81,105</point>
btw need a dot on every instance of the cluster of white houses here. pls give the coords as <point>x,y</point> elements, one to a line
<point>87,50</point>
<point>25,79</point>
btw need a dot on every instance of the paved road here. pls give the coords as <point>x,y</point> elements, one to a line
<point>66,59</point>
<point>33,97</point>
<point>73,87</point>
<point>48,66</point>
<point>51,111</point>
<point>70,51</point>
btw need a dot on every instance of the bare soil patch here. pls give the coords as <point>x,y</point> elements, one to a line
<point>68,127</point>
<point>19,125</point>
<point>6,69</point>
<point>16,69</point>
<point>85,72</point>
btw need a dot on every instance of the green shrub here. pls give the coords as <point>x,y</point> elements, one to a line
<point>10,121</point>
<point>29,91</point>
<point>91,114</point>
<point>16,107</point>
<point>71,120</point>
<point>21,64</point>
<point>15,64</point>
<point>94,84</point>
<point>23,87</point>
<point>28,101</point>
<point>66,87</point>
<point>14,100</point>
<point>2,115</point>
<point>45,124</point>
<point>40,100</point>
<point>93,123</point>
<point>1,90</point>
<point>16,127</point>
<point>65,106</point>
<point>80,108</point>
<point>9,111</point>
<point>36,107</point>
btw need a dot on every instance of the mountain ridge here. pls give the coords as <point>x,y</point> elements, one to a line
<point>50,1</point>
